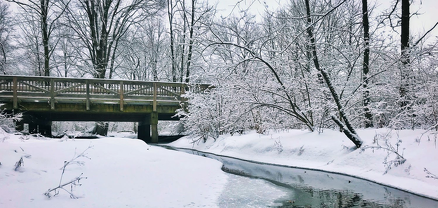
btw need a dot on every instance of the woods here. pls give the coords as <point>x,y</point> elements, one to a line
<point>308,64</point>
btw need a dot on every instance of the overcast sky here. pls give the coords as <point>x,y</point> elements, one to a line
<point>429,16</point>
<point>419,24</point>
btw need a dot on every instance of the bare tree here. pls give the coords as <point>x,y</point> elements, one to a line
<point>171,17</point>
<point>241,46</point>
<point>65,58</point>
<point>197,16</point>
<point>6,29</point>
<point>151,47</point>
<point>140,52</point>
<point>156,37</point>
<point>101,24</point>
<point>29,42</point>
<point>346,127</point>
<point>365,65</point>
<point>185,20</point>
<point>48,12</point>
<point>398,17</point>
<point>405,51</point>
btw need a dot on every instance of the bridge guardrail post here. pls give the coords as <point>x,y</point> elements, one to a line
<point>121,96</point>
<point>184,87</point>
<point>154,102</point>
<point>154,126</point>
<point>52,94</point>
<point>14,93</point>
<point>87,96</point>
<point>154,116</point>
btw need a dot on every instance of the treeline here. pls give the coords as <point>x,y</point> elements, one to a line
<point>315,65</point>
<point>110,39</point>
<point>309,64</point>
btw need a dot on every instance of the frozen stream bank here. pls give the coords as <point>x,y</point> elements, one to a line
<point>309,188</point>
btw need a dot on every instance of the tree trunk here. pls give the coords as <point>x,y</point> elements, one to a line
<point>405,56</point>
<point>38,57</point>
<point>189,56</point>
<point>45,35</point>
<point>348,128</point>
<point>365,65</point>
<point>172,39</point>
<point>183,41</point>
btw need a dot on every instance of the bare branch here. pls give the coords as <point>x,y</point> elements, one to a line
<point>424,35</point>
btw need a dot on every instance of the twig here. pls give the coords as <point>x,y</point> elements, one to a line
<point>73,182</point>
<point>422,134</point>
<point>73,161</point>
<point>19,164</point>
<point>424,35</point>
<point>430,175</point>
<point>61,186</point>
<point>399,159</point>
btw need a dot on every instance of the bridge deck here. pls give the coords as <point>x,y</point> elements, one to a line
<point>68,94</point>
<point>47,99</point>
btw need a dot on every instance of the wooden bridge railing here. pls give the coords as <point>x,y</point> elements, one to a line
<point>17,89</point>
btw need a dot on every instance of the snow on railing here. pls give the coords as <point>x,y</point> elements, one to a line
<point>17,89</point>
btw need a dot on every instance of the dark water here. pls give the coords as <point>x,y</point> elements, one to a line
<point>310,188</point>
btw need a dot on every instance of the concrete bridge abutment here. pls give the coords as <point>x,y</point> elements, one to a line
<point>148,128</point>
<point>36,125</point>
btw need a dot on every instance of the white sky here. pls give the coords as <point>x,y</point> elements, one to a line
<point>419,24</point>
<point>225,7</point>
<point>429,16</point>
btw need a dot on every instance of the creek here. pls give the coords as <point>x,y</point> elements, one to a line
<point>254,184</point>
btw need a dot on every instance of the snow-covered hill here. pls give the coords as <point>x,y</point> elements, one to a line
<point>119,172</point>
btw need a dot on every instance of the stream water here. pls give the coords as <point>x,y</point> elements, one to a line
<point>253,184</point>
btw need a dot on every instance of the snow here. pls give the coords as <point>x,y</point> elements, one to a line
<point>119,173</point>
<point>249,192</point>
<point>331,151</point>
<point>125,172</point>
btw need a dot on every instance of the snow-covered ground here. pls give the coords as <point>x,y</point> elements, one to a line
<point>123,134</point>
<point>332,151</point>
<point>123,172</point>
<point>119,173</point>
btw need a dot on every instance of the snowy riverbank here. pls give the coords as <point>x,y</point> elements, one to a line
<point>124,172</point>
<point>120,173</point>
<point>332,151</point>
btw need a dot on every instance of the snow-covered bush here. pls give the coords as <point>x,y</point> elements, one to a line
<point>202,117</point>
<point>71,127</point>
<point>394,156</point>
<point>3,135</point>
<point>264,79</point>
<point>8,120</point>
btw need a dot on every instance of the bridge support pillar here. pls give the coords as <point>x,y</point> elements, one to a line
<point>36,125</point>
<point>154,127</point>
<point>45,128</point>
<point>102,128</point>
<point>33,128</point>
<point>19,125</point>
<point>144,131</point>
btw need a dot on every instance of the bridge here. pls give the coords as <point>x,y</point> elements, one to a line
<point>46,99</point>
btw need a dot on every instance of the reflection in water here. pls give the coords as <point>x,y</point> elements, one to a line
<point>249,192</point>
<point>309,188</point>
